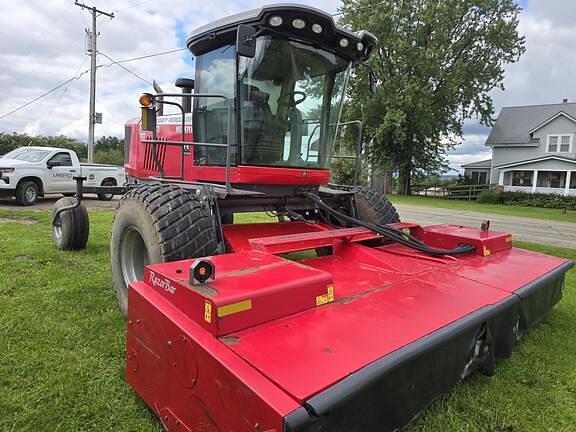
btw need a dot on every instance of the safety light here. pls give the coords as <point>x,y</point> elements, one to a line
<point>299,23</point>
<point>275,21</point>
<point>359,46</point>
<point>317,28</point>
<point>344,42</point>
<point>146,100</point>
<point>201,271</point>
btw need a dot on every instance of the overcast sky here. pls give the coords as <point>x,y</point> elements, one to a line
<point>42,44</point>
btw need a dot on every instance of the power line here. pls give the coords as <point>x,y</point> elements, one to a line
<point>133,6</point>
<point>44,30</point>
<point>114,62</point>
<point>145,56</point>
<point>45,94</point>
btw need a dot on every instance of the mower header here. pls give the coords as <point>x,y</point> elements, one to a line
<point>304,23</point>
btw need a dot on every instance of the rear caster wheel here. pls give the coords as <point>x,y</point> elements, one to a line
<point>71,228</point>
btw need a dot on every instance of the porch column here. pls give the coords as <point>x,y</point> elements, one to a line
<point>501,178</point>
<point>568,179</point>
<point>534,181</point>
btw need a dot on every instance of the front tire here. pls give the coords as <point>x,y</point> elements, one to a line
<point>155,224</point>
<point>106,196</point>
<point>375,208</point>
<point>27,193</point>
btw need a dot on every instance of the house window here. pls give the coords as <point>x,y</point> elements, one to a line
<point>551,179</point>
<point>559,144</point>
<point>479,177</point>
<point>522,178</point>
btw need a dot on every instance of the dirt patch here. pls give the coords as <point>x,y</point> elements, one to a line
<point>24,258</point>
<point>24,221</point>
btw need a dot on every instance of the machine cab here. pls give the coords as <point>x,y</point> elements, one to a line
<point>269,87</point>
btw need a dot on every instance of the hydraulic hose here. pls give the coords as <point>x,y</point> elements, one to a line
<point>391,233</point>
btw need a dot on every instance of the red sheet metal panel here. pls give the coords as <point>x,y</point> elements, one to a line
<point>250,288</point>
<point>189,378</point>
<point>376,311</point>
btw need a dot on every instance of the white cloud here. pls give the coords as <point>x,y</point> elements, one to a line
<point>43,43</point>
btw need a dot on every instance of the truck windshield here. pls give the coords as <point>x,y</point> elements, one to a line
<point>291,96</point>
<point>27,154</point>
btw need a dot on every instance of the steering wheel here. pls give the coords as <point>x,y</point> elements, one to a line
<point>289,100</point>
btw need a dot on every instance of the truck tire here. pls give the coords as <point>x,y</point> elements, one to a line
<point>375,208</point>
<point>72,227</point>
<point>155,224</point>
<point>105,196</point>
<point>27,193</point>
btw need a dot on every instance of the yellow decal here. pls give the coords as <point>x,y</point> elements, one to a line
<point>321,300</point>
<point>234,308</point>
<point>509,239</point>
<point>486,251</point>
<point>330,293</point>
<point>326,298</point>
<point>208,312</point>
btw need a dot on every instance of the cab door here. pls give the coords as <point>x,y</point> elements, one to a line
<point>61,173</point>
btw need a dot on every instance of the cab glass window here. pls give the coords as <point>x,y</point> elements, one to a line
<point>215,74</point>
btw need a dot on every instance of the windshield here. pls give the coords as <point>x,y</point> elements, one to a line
<point>291,96</point>
<point>27,154</point>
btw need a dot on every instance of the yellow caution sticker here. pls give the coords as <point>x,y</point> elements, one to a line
<point>208,312</point>
<point>234,308</point>
<point>322,300</point>
<point>330,293</point>
<point>326,298</point>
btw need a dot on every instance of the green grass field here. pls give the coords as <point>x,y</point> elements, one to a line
<point>62,349</point>
<point>529,212</point>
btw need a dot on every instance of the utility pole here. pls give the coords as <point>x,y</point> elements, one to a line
<point>93,51</point>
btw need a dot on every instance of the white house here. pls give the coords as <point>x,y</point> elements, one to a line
<point>533,150</point>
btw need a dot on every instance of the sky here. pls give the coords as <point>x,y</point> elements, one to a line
<point>43,44</point>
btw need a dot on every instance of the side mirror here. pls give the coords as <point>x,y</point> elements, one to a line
<point>245,41</point>
<point>52,163</point>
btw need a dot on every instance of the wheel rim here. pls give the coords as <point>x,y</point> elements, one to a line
<point>134,256</point>
<point>57,229</point>
<point>30,193</point>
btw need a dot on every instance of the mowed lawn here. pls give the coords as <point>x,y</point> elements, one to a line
<point>509,210</point>
<point>62,349</point>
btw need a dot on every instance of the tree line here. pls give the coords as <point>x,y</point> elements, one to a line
<point>107,150</point>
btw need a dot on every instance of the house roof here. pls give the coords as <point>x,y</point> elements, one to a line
<point>514,124</point>
<point>480,164</point>
<point>540,159</point>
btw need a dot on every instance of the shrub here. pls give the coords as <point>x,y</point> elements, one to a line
<point>490,197</point>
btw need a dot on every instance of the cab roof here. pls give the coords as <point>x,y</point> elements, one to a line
<point>223,31</point>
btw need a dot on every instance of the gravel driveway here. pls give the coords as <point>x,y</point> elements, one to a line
<point>91,201</point>
<point>540,231</point>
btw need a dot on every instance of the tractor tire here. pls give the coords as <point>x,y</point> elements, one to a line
<point>106,196</point>
<point>375,208</point>
<point>72,227</point>
<point>372,207</point>
<point>155,224</point>
<point>27,193</point>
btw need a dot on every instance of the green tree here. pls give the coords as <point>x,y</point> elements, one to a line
<point>437,62</point>
<point>14,140</point>
<point>109,143</point>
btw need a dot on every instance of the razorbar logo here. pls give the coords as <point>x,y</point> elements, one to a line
<point>161,283</point>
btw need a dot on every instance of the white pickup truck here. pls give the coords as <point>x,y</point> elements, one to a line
<point>31,172</point>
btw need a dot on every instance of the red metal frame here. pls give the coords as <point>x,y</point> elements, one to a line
<point>141,164</point>
<point>290,330</point>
